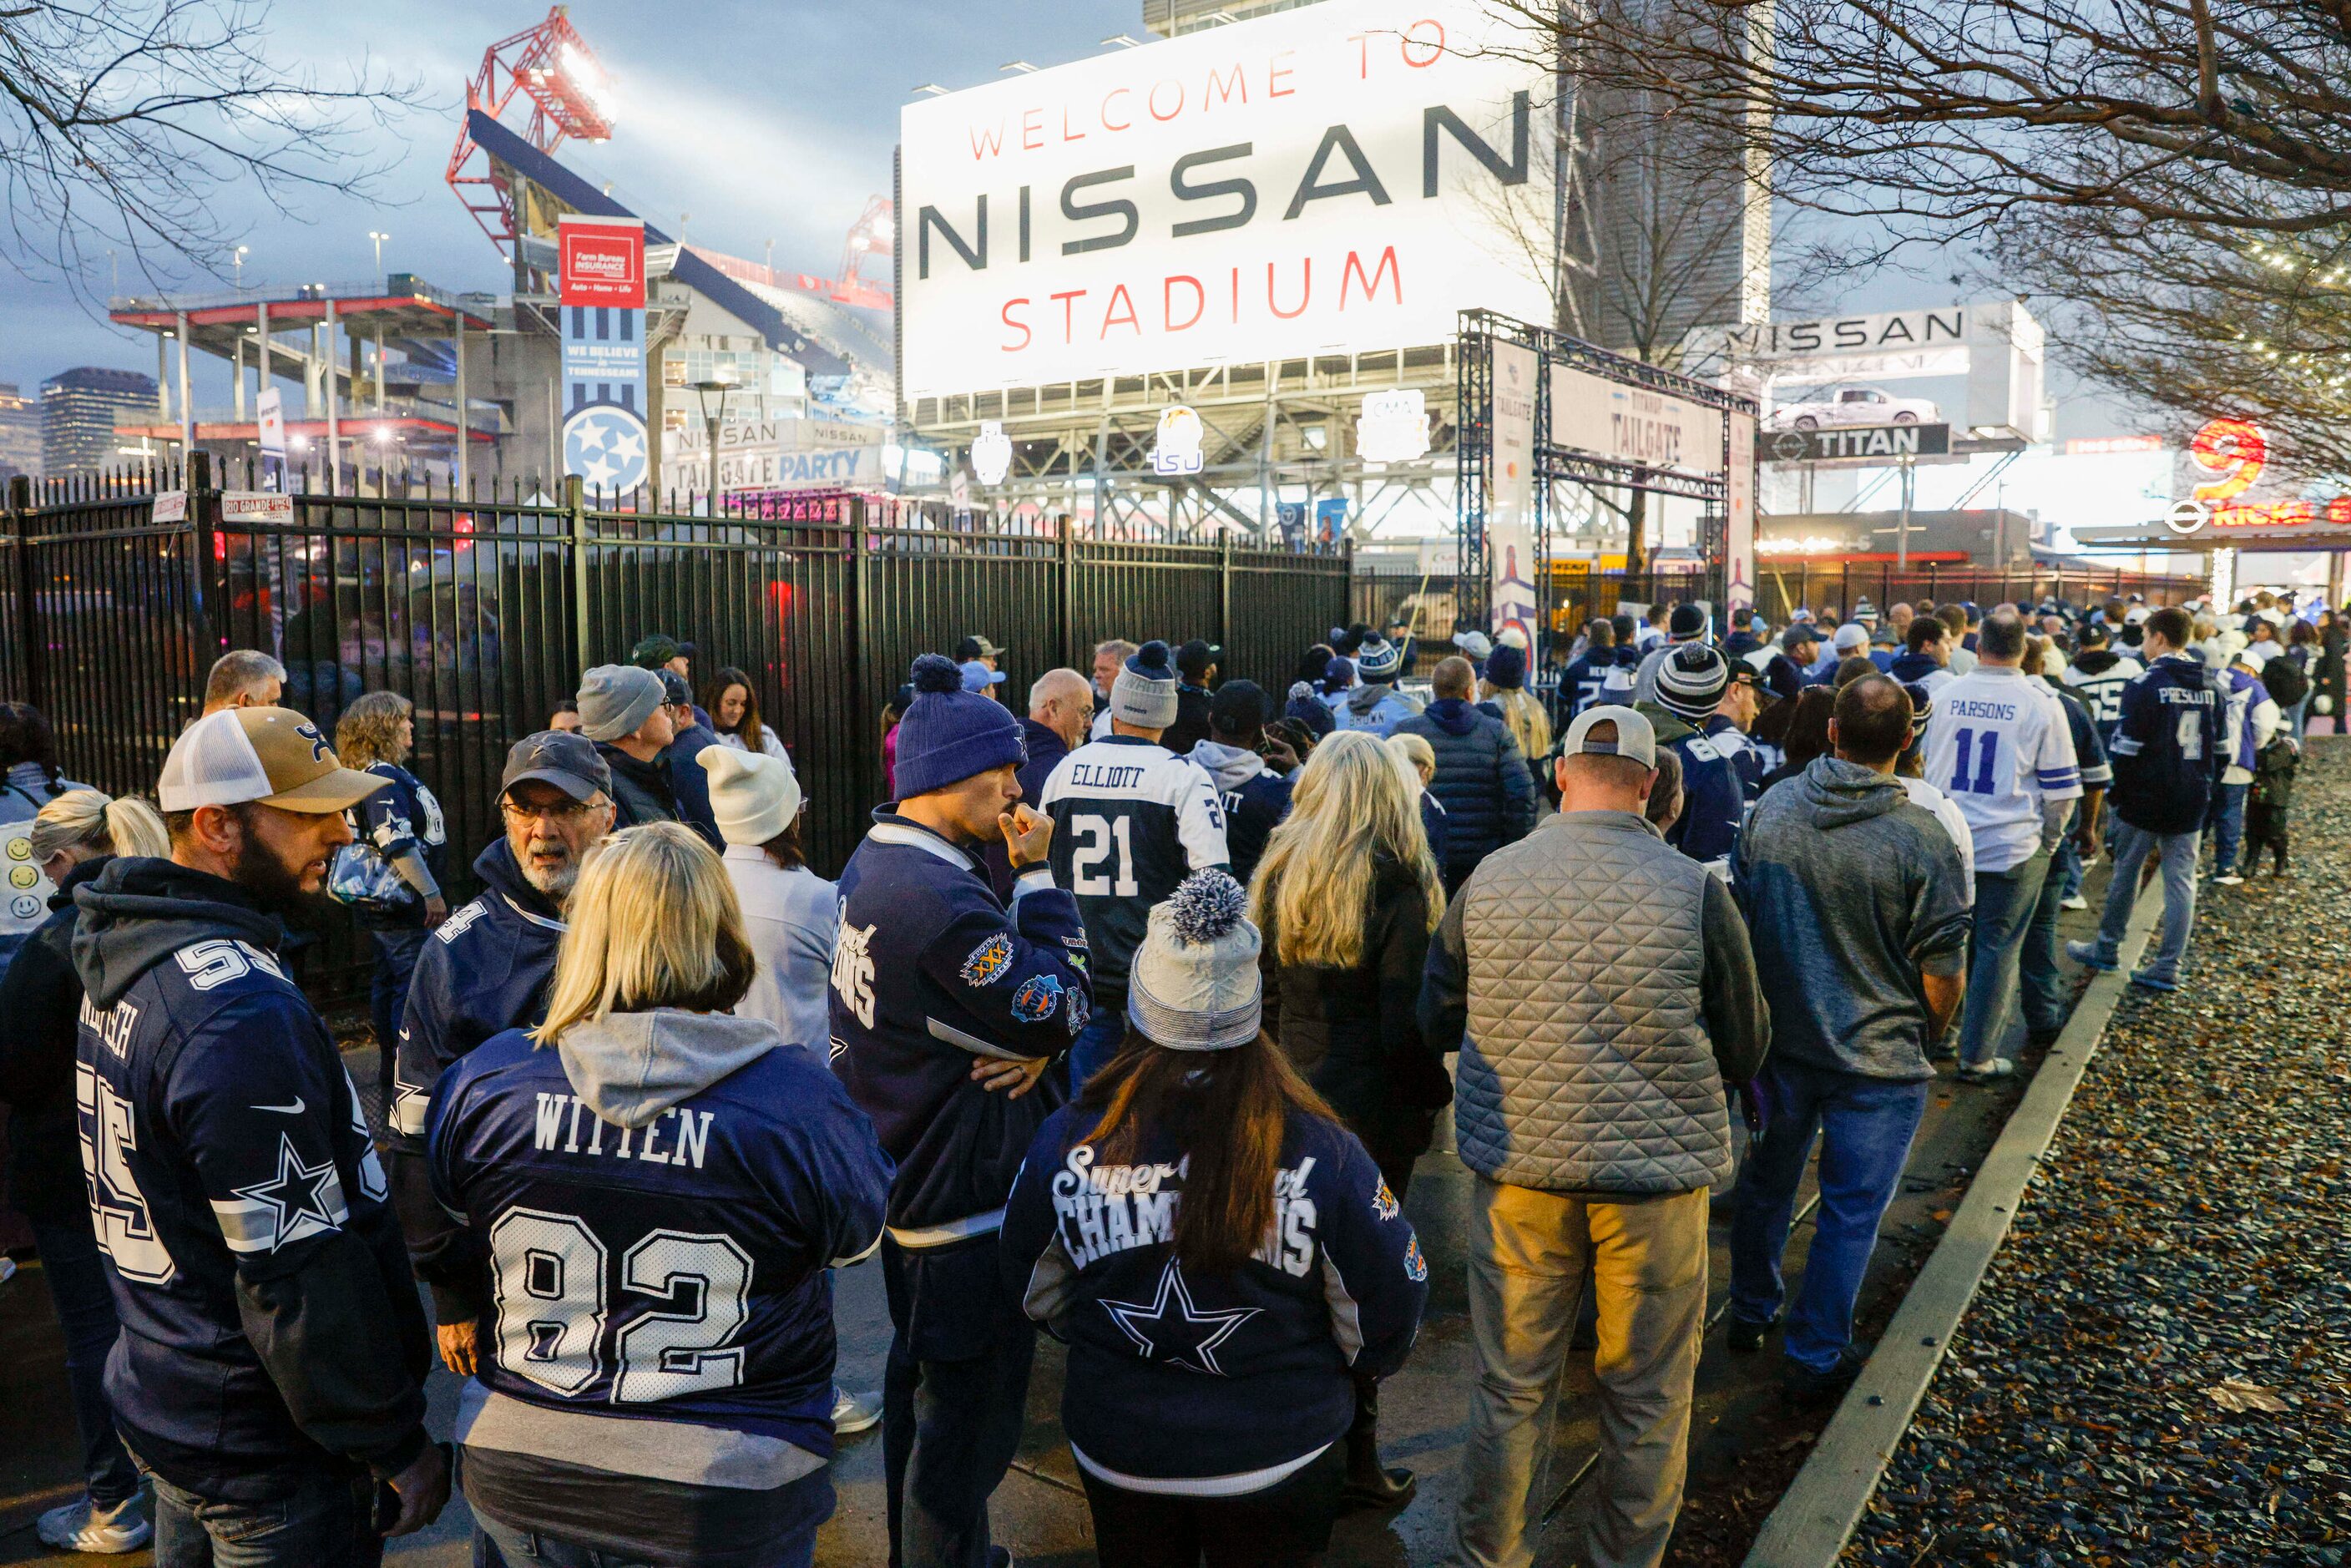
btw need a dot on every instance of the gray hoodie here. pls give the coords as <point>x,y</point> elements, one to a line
<point>630,1067</point>
<point>1850,894</point>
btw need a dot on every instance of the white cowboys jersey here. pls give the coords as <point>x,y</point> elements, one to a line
<point>1131,820</point>
<point>1999,746</point>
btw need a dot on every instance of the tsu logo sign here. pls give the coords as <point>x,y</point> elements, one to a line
<point>991,453</point>
<point>605,446</point>
<point>1176,448</point>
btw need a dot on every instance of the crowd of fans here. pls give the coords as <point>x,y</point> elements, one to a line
<point>1129,1019</point>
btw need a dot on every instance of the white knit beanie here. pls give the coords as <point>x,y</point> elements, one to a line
<point>754,796</point>
<point>1193,984</point>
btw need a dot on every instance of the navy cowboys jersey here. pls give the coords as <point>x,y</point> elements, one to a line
<point>674,1272</point>
<point>225,1151</point>
<point>1179,1377</point>
<point>1131,820</point>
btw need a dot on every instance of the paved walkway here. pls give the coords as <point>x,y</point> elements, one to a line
<point>2157,1367</point>
<point>1745,1447</point>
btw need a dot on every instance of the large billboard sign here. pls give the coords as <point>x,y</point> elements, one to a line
<point>1631,424</point>
<point>2222,469</point>
<point>1339,175</point>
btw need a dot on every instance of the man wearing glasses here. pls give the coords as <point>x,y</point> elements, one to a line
<point>485,971</point>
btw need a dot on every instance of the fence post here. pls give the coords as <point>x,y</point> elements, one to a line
<point>202,518</point>
<point>1072,656</point>
<point>860,640</point>
<point>575,494</point>
<point>28,644</point>
<point>1224,588</point>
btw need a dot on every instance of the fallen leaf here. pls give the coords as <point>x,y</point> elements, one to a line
<point>1941,1217</point>
<point>2236,1394</point>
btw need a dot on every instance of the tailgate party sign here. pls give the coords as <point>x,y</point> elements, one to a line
<point>604,310</point>
<point>1344,175</point>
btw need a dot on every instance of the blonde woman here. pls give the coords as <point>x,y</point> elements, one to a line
<point>71,838</point>
<point>658,1188</point>
<point>377,734</point>
<point>1345,897</point>
<point>1502,691</point>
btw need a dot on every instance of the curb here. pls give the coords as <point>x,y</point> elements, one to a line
<point>1819,1512</point>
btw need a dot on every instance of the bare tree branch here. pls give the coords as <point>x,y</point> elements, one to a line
<point>125,124</point>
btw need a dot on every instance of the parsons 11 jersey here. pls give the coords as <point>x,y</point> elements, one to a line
<point>1999,745</point>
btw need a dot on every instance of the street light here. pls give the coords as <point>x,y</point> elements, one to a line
<point>379,236</point>
<point>238,258</point>
<point>711,416</point>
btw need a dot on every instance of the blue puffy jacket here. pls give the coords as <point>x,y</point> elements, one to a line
<point>1481,781</point>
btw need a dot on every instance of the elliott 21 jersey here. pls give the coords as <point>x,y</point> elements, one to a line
<point>1131,820</point>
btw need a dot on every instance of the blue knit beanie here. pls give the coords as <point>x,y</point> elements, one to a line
<point>948,734</point>
<point>1506,667</point>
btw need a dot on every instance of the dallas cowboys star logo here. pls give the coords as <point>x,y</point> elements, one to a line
<point>298,1195</point>
<point>1178,1333</point>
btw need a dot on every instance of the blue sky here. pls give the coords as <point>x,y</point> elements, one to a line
<point>764,121</point>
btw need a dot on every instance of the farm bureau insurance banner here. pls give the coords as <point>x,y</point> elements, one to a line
<point>602,273</point>
<point>1346,175</point>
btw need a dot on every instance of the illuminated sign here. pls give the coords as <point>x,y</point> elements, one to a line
<point>2234,453</point>
<point>1176,447</point>
<point>1859,442</point>
<point>1393,426</point>
<point>1290,184</point>
<point>2108,445</point>
<point>602,261</point>
<point>991,453</point>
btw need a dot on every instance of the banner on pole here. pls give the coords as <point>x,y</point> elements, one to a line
<point>1738,512</point>
<point>1510,494</point>
<point>602,303</point>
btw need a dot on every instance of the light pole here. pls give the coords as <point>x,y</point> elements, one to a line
<point>379,236</point>
<point>237,258</point>
<point>712,414</point>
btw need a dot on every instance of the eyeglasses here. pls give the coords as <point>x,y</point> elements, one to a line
<point>566,813</point>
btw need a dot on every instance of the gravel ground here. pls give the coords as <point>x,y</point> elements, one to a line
<point>2157,1368</point>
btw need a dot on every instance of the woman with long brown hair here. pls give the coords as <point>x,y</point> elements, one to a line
<point>1221,1257</point>
<point>733,704</point>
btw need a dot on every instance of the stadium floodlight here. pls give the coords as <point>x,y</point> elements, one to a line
<point>1023,67</point>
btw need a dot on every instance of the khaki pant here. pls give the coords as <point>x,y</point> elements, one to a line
<point>1528,1251</point>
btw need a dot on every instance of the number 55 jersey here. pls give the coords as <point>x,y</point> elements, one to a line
<point>654,1202</point>
<point>269,1328</point>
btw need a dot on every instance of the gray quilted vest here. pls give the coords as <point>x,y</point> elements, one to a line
<point>1586,1066</point>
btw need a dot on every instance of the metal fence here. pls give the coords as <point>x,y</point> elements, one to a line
<point>484,610</point>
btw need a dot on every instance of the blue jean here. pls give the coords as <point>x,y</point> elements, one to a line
<point>85,1304</point>
<point>2065,868</point>
<point>2297,717</point>
<point>809,1498</point>
<point>2040,984</point>
<point>2004,905</point>
<point>2227,821</point>
<point>327,1522</point>
<point>396,960</point>
<point>1865,1125</point>
<point>2178,855</point>
<point>954,1398</point>
<point>1096,1044</point>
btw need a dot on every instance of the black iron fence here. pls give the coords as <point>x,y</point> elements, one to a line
<point>485,610</point>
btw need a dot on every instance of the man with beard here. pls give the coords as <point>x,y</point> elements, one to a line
<point>269,1376</point>
<point>487,971</point>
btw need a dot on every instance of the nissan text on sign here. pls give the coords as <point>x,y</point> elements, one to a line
<point>1347,175</point>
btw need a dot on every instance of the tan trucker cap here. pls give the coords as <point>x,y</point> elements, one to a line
<point>272,755</point>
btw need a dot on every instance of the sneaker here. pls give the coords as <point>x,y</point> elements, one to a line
<point>1984,1073</point>
<point>85,1527</point>
<point>1746,1336</point>
<point>2086,954</point>
<point>2148,981</point>
<point>854,1413</point>
<point>2072,900</point>
<point>1802,1384</point>
<point>2228,878</point>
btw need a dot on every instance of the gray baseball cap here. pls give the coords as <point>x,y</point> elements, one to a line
<point>1637,738</point>
<point>561,757</point>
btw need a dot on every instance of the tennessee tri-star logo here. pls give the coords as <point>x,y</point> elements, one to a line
<point>1169,1328</point>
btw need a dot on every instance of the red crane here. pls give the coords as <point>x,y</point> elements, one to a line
<point>553,67</point>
